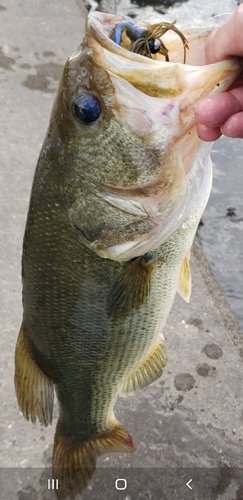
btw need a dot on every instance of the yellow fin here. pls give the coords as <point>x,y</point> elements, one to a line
<point>132,288</point>
<point>184,285</point>
<point>74,462</point>
<point>34,389</point>
<point>148,372</point>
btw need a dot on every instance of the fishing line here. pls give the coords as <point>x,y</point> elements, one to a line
<point>205,25</point>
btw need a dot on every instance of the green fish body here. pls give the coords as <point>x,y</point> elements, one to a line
<point>113,212</point>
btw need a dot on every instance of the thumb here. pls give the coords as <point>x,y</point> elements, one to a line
<point>227,40</point>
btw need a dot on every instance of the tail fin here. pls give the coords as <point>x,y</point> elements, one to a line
<point>34,389</point>
<point>74,462</point>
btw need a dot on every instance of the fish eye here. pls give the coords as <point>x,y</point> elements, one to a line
<point>87,108</point>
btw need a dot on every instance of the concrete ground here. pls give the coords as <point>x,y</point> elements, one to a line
<point>187,425</point>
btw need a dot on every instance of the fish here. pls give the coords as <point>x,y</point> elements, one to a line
<point>119,189</point>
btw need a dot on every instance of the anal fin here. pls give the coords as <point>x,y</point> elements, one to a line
<point>34,389</point>
<point>74,461</point>
<point>151,369</point>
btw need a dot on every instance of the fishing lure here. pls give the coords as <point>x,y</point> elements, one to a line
<point>147,41</point>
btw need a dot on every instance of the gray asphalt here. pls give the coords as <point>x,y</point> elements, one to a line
<point>187,425</point>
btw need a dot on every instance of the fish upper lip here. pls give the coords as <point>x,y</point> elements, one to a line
<point>99,26</point>
<point>95,29</point>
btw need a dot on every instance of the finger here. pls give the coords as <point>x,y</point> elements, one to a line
<point>238,82</point>
<point>227,40</point>
<point>238,94</point>
<point>233,127</point>
<point>208,134</point>
<point>215,110</point>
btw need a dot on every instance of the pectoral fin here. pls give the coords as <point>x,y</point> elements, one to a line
<point>148,372</point>
<point>132,288</point>
<point>184,285</point>
<point>34,389</point>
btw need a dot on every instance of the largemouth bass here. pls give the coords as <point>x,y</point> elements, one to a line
<point>120,186</point>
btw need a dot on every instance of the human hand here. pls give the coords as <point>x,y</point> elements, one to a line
<point>223,113</point>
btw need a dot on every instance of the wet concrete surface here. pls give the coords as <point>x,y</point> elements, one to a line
<point>188,424</point>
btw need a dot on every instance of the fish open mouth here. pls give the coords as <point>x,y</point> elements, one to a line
<point>158,74</point>
<point>153,75</point>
